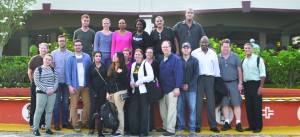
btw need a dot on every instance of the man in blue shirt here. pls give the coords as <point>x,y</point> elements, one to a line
<point>77,66</point>
<point>60,56</point>
<point>170,74</point>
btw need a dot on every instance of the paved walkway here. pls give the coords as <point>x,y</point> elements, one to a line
<point>19,130</point>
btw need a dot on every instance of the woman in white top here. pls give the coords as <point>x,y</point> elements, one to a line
<point>139,105</point>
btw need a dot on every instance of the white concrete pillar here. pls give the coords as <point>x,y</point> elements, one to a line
<point>285,39</point>
<point>262,36</point>
<point>149,24</point>
<point>24,46</point>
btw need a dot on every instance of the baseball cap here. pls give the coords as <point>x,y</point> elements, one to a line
<point>186,44</point>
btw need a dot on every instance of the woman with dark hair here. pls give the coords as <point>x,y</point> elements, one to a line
<point>121,39</point>
<point>155,66</point>
<point>139,104</point>
<point>117,76</point>
<point>96,80</point>
<point>140,38</point>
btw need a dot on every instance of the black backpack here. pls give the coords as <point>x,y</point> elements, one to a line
<point>109,115</point>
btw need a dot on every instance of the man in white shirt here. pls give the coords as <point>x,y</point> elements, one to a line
<point>208,70</point>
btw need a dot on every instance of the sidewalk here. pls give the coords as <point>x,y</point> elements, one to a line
<point>21,130</point>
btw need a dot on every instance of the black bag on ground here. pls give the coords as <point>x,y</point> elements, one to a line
<point>109,115</point>
<point>154,92</point>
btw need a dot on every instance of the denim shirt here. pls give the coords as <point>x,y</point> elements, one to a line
<point>71,70</point>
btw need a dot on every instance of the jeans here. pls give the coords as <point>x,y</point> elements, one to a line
<point>62,99</point>
<point>189,98</point>
<point>106,59</point>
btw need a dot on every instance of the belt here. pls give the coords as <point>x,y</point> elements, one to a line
<point>207,75</point>
<point>42,92</point>
<point>252,81</point>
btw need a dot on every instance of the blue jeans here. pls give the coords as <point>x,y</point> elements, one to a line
<point>62,98</point>
<point>106,59</point>
<point>189,98</point>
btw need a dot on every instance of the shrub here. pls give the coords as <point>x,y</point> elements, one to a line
<point>13,71</point>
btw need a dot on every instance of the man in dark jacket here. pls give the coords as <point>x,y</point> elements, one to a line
<point>190,67</point>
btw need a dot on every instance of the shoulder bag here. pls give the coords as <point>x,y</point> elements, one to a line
<point>153,89</point>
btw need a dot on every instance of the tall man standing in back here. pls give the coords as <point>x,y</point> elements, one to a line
<point>231,73</point>
<point>85,34</point>
<point>76,70</point>
<point>35,62</point>
<point>189,30</point>
<point>60,57</point>
<point>254,74</point>
<point>208,70</point>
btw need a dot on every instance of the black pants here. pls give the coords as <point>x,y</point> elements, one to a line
<point>96,103</point>
<point>126,112</point>
<point>151,117</point>
<point>253,104</point>
<point>33,105</point>
<point>138,114</point>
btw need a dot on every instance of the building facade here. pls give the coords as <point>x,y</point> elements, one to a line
<point>238,20</point>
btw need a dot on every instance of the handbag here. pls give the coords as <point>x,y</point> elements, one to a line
<point>123,96</point>
<point>154,92</point>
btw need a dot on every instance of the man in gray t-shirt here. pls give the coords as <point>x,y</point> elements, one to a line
<point>85,34</point>
<point>231,73</point>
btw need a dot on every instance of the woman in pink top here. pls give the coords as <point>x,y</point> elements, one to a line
<point>121,39</point>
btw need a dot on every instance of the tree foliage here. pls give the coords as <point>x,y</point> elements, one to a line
<point>12,18</point>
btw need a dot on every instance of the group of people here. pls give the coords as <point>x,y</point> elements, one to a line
<point>106,65</point>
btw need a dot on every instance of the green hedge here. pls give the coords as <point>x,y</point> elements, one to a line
<point>13,71</point>
<point>283,67</point>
